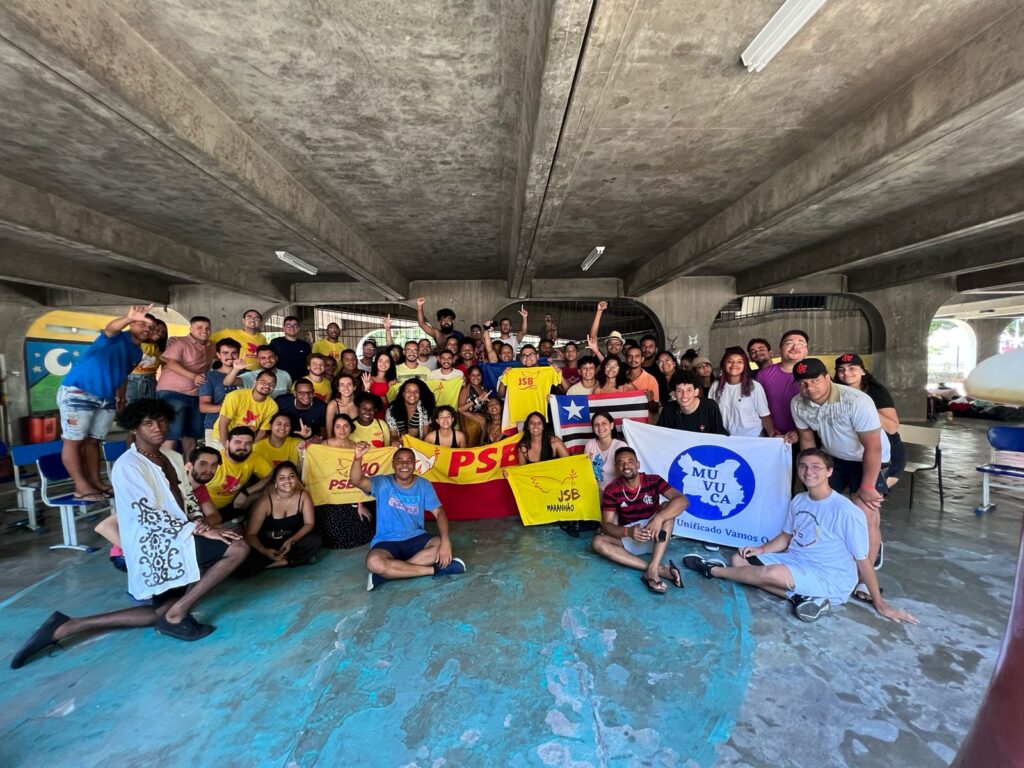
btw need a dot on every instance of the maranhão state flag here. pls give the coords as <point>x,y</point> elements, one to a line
<point>468,481</point>
<point>556,490</point>
<point>738,487</point>
<point>570,414</point>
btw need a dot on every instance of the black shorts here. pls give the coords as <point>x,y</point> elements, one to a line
<point>897,456</point>
<point>209,552</point>
<point>847,475</point>
<point>403,550</point>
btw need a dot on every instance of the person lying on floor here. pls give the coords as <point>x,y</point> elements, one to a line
<point>636,522</point>
<point>170,559</point>
<point>817,558</point>
<point>280,531</point>
<point>401,548</point>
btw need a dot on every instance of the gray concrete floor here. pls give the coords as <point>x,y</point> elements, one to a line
<point>850,690</point>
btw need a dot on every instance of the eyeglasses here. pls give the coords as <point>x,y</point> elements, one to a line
<point>815,469</point>
<point>291,325</point>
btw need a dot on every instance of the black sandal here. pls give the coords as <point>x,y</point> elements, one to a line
<point>861,595</point>
<point>649,583</point>
<point>40,640</point>
<point>188,629</point>
<point>677,575</point>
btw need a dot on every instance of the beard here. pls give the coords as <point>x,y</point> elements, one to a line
<point>447,327</point>
<point>238,456</point>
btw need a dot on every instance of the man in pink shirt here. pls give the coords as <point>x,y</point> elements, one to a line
<point>185,363</point>
<point>779,386</point>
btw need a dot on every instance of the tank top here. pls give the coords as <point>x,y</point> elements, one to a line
<point>546,453</point>
<point>279,529</point>
<point>437,440</point>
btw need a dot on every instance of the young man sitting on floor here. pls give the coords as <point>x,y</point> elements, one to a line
<point>817,558</point>
<point>635,522</point>
<point>401,549</point>
<point>175,561</point>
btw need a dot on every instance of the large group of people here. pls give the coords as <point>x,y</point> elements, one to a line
<point>242,410</point>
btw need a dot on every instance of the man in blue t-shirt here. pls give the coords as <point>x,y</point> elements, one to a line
<point>87,395</point>
<point>817,557</point>
<point>401,548</point>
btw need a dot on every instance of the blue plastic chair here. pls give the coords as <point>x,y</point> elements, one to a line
<point>1008,440</point>
<point>26,456</point>
<point>52,472</point>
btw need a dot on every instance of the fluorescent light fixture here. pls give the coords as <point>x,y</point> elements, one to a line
<point>295,261</point>
<point>786,22</point>
<point>592,257</point>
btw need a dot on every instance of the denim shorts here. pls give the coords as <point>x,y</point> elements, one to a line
<point>83,415</point>
<point>140,386</point>
<point>188,420</point>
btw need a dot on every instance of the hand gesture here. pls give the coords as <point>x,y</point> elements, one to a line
<point>523,311</point>
<point>304,431</point>
<point>138,313</point>
<point>387,322</point>
<point>591,344</point>
<point>360,450</point>
<point>238,364</point>
<point>602,306</point>
<point>367,380</point>
<point>420,302</point>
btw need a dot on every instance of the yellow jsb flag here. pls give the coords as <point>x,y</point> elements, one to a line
<point>463,465</point>
<point>325,473</point>
<point>446,392</point>
<point>552,491</point>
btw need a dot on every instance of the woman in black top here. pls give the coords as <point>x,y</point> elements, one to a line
<point>538,442</point>
<point>280,528</point>
<point>445,432</point>
<point>850,371</point>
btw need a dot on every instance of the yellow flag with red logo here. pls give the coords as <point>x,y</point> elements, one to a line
<point>463,466</point>
<point>556,490</point>
<point>325,473</point>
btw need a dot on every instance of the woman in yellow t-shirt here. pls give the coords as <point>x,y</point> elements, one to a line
<point>279,445</point>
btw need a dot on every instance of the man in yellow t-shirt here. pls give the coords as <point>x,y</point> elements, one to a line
<point>229,489</point>
<point>252,408</point>
<point>280,445</point>
<point>331,346</point>
<point>248,336</point>
<point>323,389</point>
<point>526,389</point>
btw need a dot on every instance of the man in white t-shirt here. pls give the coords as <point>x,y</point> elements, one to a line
<point>587,366</point>
<point>818,556</point>
<point>846,421</point>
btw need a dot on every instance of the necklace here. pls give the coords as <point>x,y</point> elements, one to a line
<point>155,456</point>
<point>635,495</point>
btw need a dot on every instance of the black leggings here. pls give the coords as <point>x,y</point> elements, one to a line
<point>302,552</point>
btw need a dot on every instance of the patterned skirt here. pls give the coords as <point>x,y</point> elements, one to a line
<point>341,527</point>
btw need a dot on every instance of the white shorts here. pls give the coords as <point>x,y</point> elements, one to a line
<point>635,547</point>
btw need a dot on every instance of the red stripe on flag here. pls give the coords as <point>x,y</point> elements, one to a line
<point>479,501</point>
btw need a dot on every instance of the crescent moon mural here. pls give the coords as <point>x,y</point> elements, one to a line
<point>53,364</point>
<point>999,378</point>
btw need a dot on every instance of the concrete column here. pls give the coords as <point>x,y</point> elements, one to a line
<point>224,308</point>
<point>901,363</point>
<point>987,331</point>
<point>19,308</point>
<point>687,307</point>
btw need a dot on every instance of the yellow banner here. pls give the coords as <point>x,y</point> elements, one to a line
<point>557,490</point>
<point>325,473</point>
<point>445,392</point>
<point>463,465</point>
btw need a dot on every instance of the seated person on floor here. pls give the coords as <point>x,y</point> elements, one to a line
<point>635,522</point>
<point>401,548</point>
<point>817,558</point>
<point>233,488</point>
<point>280,527</point>
<point>170,559</point>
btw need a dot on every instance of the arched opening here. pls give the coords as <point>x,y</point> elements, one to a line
<point>1012,336</point>
<point>358,322</point>
<point>572,319</point>
<point>952,352</point>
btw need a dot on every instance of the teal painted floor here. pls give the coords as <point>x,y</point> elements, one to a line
<point>542,655</point>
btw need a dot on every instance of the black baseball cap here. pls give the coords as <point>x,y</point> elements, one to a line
<point>809,368</point>
<point>850,359</point>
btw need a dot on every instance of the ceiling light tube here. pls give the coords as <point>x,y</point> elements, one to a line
<point>592,257</point>
<point>786,22</point>
<point>299,264</point>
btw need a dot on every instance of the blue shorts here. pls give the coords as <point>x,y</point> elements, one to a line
<point>140,386</point>
<point>83,415</point>
<point>188,420</point>
<point>403,550</point>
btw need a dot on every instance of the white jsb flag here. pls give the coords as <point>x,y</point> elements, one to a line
<point>738,487</point>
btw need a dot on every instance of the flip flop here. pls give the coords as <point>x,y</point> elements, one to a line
<point>41,639</point>
<point>91,497</point>
<point>677,575</point>
<point>188,629</point>
<point>861,595</point>
<point>649,583</point>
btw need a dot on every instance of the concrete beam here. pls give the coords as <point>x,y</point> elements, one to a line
<point>983,79</point>
<point>553,57</point>
<point>996,207</point>
<point>91,46</point>
<point>1011,274</point>
<point>585,288</point>
<point>57,221</point>
<point>974,258</point>
<point>51,272</point>
<point>335,293</point>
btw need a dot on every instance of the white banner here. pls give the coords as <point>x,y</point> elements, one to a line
<point>738,487</point>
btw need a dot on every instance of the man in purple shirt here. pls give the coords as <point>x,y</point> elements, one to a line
<point>779,386</point>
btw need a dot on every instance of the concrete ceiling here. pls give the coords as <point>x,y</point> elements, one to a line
<point>148,143</point>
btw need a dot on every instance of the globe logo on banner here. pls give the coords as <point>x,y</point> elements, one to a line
<point>718,482</point>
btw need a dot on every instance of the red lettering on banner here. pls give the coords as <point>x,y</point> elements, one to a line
<point>339,485</point>
<point>508,455</point>
<point>487,462</point>
<point>371,469</point>
<point>459,460</point>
